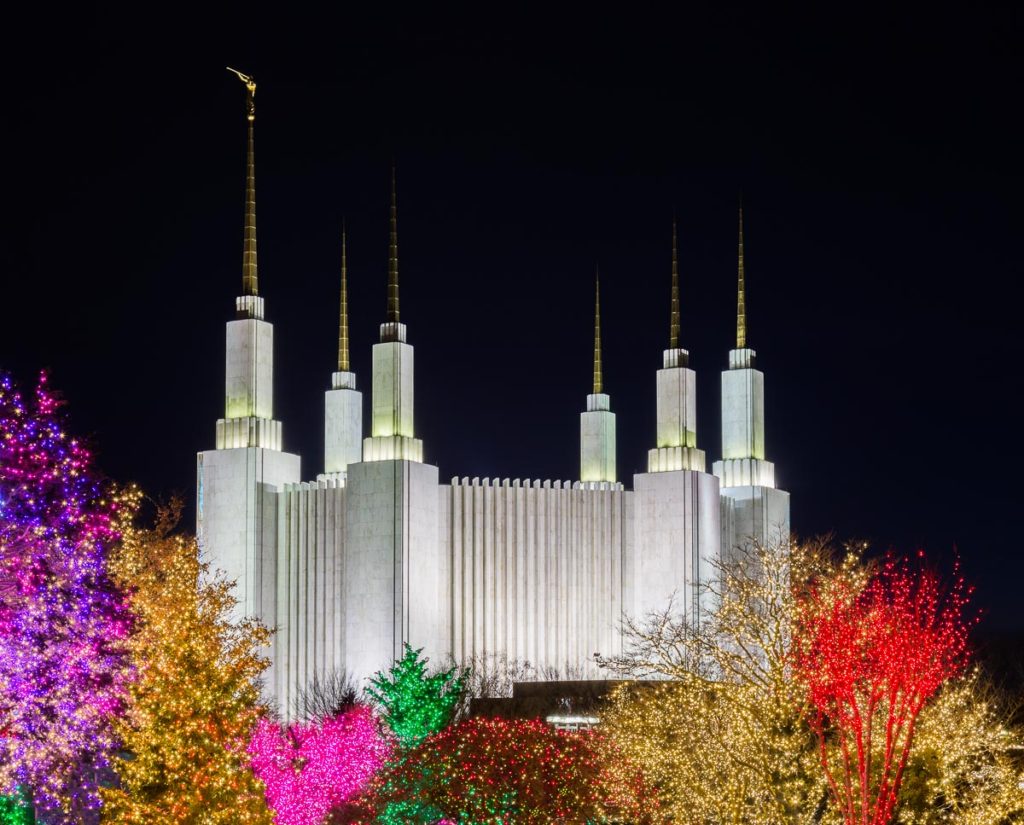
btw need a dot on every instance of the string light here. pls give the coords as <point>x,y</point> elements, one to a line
<point>63,624</point>
<point>871,660</point>
<point>502,770</point>
<point>196,699</point>
<point>963,765</point>
<point>721,734</point>
<point>308,769</point>
<point>15,810</point>
<point>413,704</point>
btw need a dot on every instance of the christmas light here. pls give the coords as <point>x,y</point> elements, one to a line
<point>308,769</point>
<point>963,766</point>
<point>871,660</point>
<point>63,624</point>
<point>721,734</point>
<point>15,810</point>
<point>196,698</point>
<point>412,703</point>
<point>504,771</point>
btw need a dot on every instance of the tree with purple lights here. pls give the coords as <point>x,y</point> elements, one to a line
<point>63,623</point>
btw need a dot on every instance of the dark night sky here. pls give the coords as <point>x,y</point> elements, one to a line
<point>878,158</point>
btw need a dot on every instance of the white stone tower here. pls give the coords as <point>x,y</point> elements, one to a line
<point>391,434</point>
<point>396,572</point>
<point>597,424</point>
<point>343,403</point>
<point>677,397</point>
<point>678,518</point>
<point>752,509</point>
<point>236,519</point>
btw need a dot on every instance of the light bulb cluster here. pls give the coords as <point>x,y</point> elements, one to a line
<point>15,810</point>
<point>502,770</point>
<point>871,660</point>
<point>196,698</point>
<point>414,703</point>
<point>64,665</point>
<point>309,769</point>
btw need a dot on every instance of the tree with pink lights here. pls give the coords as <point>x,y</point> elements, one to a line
<point>63,623</point>
<point>308,769</point>
<point>871,661</point>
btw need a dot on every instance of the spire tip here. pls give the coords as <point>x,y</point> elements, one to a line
<point>741,290</point>
<point>393,310</point>
<point>250,282</point>
<point>343,352</point>
<point>598,372</point>
<point>674,326</point>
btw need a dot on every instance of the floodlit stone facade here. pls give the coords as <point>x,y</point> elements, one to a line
<point>378,551</point>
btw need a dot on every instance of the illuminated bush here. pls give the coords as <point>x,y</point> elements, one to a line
<point>310,768</point>
<point>497,770</point>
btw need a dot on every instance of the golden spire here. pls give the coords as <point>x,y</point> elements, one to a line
<point>741,295</point>
<point>673,339</point>
<point>598,376</point>
<point>393,255</point>
<point>343,359</point>
<point>250,285</point>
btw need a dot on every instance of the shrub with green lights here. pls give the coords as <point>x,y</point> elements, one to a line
<point>16,810</point>
<point>413,703</point>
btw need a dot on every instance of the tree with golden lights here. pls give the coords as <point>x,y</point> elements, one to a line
<point>965,766</point>
<point>196,698</point>
<point>723,736</point>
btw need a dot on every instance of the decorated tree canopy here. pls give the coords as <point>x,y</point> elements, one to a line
<point>63,623</point>
<point>871,660</point>
<point>721,734</point>
<point>413,703</point>
<point>498,770</point>
<point>310,768</point>
<point>196,698</point>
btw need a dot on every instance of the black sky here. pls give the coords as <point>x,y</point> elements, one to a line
<point>878,158</point>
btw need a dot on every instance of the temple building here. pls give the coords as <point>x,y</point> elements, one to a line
<point>377,551</point>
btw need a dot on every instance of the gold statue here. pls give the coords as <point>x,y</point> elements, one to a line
<point>250,84</point>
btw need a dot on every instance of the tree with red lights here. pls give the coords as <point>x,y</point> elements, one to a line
<point>871,660</point>
<point>500,770</point>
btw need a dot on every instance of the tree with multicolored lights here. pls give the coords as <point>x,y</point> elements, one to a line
<point>500,770</point>
<point>196,699</point>
<point>871,660</point>
<point>310,768</point>
<point>414,703</point>
<point>64,664</point>
<point>721,734</point>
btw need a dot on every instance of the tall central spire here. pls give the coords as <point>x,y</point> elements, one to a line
<point>598,374</point>
<point>343,359</point>
<point>674,330</point>
<point>250,283</point>
<point>741,295</point>
<point>393,255</point>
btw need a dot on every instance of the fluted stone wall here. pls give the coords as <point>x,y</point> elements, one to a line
<point>537,570</point>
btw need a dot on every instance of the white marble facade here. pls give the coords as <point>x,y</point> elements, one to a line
<point>378,552</point>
